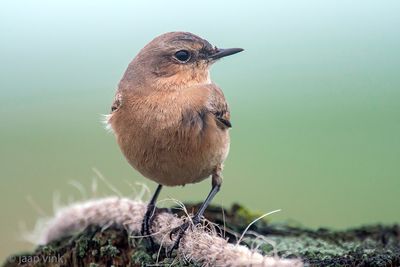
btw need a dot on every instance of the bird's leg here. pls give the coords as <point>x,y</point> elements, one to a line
<point>214,190</point>
<point>216,185</point>
<point>151,207</point>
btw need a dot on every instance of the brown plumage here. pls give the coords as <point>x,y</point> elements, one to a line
<point>171,122</point>
<point>174,138</point>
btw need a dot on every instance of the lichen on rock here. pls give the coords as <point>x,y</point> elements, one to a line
<point>114,246</point>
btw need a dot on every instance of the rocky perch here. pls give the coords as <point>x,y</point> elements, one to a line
<point>111,243</point>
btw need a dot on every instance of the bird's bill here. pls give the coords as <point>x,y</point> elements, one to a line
<point>220,52</point>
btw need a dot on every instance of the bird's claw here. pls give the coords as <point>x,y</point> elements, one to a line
<point>145,230</point>
<point>180,231</point>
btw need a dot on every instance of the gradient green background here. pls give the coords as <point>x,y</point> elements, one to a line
<point>315,102</point>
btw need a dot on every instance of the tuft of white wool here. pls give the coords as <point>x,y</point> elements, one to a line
<point>105,119</point>
<point>197,245</point>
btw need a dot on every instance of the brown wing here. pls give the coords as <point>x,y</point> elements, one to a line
<point>219,108</point>
<point>206,101</point>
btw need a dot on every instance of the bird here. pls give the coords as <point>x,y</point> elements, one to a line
<point>170,120</point>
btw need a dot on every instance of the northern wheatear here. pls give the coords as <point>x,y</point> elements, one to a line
<point>170,120</point>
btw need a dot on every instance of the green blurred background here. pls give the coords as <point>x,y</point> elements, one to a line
<point>315,102</point>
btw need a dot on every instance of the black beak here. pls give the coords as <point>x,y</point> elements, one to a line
<point>220,53</point>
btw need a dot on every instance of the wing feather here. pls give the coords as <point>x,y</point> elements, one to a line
<point>219,108</point>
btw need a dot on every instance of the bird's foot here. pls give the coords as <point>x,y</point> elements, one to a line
<point>146,226</point>
<point>180,231</point>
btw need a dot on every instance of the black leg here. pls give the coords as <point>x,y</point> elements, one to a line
<point>197,217</point>
<point>216,185</point>
<point>151,207</point>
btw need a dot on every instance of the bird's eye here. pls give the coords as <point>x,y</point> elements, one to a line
<point>182,56</point>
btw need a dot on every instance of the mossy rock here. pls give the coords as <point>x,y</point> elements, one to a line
<point>365,246</point>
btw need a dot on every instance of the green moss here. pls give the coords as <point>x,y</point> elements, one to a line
<point>82,245</point>
<point>109,250</point>
<point>48,250</point>
<point>141,257</point>
<point>364,246</point>
<point>243,217</point>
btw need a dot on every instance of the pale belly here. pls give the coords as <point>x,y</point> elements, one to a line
<point>175,156</point>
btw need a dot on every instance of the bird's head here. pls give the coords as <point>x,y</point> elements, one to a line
<point>176,59</point>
